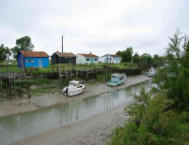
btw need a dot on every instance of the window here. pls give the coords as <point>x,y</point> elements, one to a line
<point>95,59</point>
<point>73,84</point>
<point>87,59</point>
<point>30,60</point>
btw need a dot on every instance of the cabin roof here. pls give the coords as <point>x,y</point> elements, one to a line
<point>88,55</point>
<point>65,54</point>
<point>112,55</point>
<point>34,53</point>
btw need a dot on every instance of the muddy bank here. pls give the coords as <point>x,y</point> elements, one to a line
<point>45,100</point>
<point>95,130</point>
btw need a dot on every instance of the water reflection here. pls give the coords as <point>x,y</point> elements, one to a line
<point>18,127</point>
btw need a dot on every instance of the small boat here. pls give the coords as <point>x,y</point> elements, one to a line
<point>74,88</point>
<point>117,79</point>
<point>151,72</point>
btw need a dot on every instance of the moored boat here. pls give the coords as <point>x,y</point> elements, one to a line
<point>151,72</point>
<point>117,79</point>
<point>74,88</point>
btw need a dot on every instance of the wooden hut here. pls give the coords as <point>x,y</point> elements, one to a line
<point>66,57</point>
<point>87,58</point>
<point>32,59</point>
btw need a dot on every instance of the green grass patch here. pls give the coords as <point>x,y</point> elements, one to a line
<point>128,65</point>
<point>63,67</point>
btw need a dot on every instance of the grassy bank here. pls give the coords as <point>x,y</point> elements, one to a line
<point>64,67</point>
<point>28,88</point>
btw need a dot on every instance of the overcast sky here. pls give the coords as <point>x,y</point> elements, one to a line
<point>97,26</point>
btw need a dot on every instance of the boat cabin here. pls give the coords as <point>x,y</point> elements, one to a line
<point>75,84</point>
<point>151,72</point>
<point>117,79</point>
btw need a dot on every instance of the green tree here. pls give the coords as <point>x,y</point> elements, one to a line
<point>157,60</point>
<point>146,61</point>
<point>126,55</point>
<point>174,76</point>
<point>23,43</point>
<point>136,58</point>
<point>4,51</point>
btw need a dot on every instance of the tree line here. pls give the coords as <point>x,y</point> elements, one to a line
<point>143,61</point>
<point>23,43</point>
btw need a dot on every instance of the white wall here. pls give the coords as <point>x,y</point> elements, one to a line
<point>80,59</point>
<point>103,59</point>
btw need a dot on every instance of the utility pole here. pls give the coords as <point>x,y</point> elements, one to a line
<point>62,44</point>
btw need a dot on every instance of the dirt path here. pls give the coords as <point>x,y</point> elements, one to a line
<point>95,130</point>
<point>44,100</point>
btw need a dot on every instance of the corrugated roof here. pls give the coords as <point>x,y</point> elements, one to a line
<point>34,53</point>
<point>65,54</point>
<point>89,55</point>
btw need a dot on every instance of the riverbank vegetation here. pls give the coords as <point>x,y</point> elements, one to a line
<point>13,67</point>
<point>161,117</point>
<point>20,88</point>
<point>144,61</point>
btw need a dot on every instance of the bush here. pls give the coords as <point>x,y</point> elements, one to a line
<point>151,124</point>
<point>174,77</point>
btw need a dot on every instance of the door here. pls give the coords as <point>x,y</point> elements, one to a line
<point>40,64</point>
<point>92,60</point>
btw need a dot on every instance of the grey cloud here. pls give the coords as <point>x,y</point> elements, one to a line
<point>96,26</point>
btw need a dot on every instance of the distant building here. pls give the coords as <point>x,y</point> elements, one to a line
<point>110,58</point>
<point>28,59</point>
<point>86,58</point>
<point>66,57</point>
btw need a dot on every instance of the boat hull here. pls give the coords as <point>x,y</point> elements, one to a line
<point>73,91</point>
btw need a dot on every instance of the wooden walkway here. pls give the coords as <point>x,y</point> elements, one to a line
<point>84,74</point>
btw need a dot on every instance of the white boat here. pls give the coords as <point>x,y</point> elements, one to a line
<point>74,88</point>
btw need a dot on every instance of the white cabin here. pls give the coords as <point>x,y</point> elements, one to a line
<point>86,58</point>
<point>110,58</point>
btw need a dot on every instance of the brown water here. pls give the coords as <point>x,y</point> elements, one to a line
<point>18,127</point>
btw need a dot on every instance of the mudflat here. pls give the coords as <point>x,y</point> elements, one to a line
<point>95,130</point>
<point>45,100</point>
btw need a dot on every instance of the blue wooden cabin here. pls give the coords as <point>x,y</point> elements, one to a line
<point>35,59</point>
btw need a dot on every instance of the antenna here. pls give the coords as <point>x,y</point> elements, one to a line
<point>62,44</point>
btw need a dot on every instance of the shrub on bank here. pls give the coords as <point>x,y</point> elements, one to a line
<point>151,124</point>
